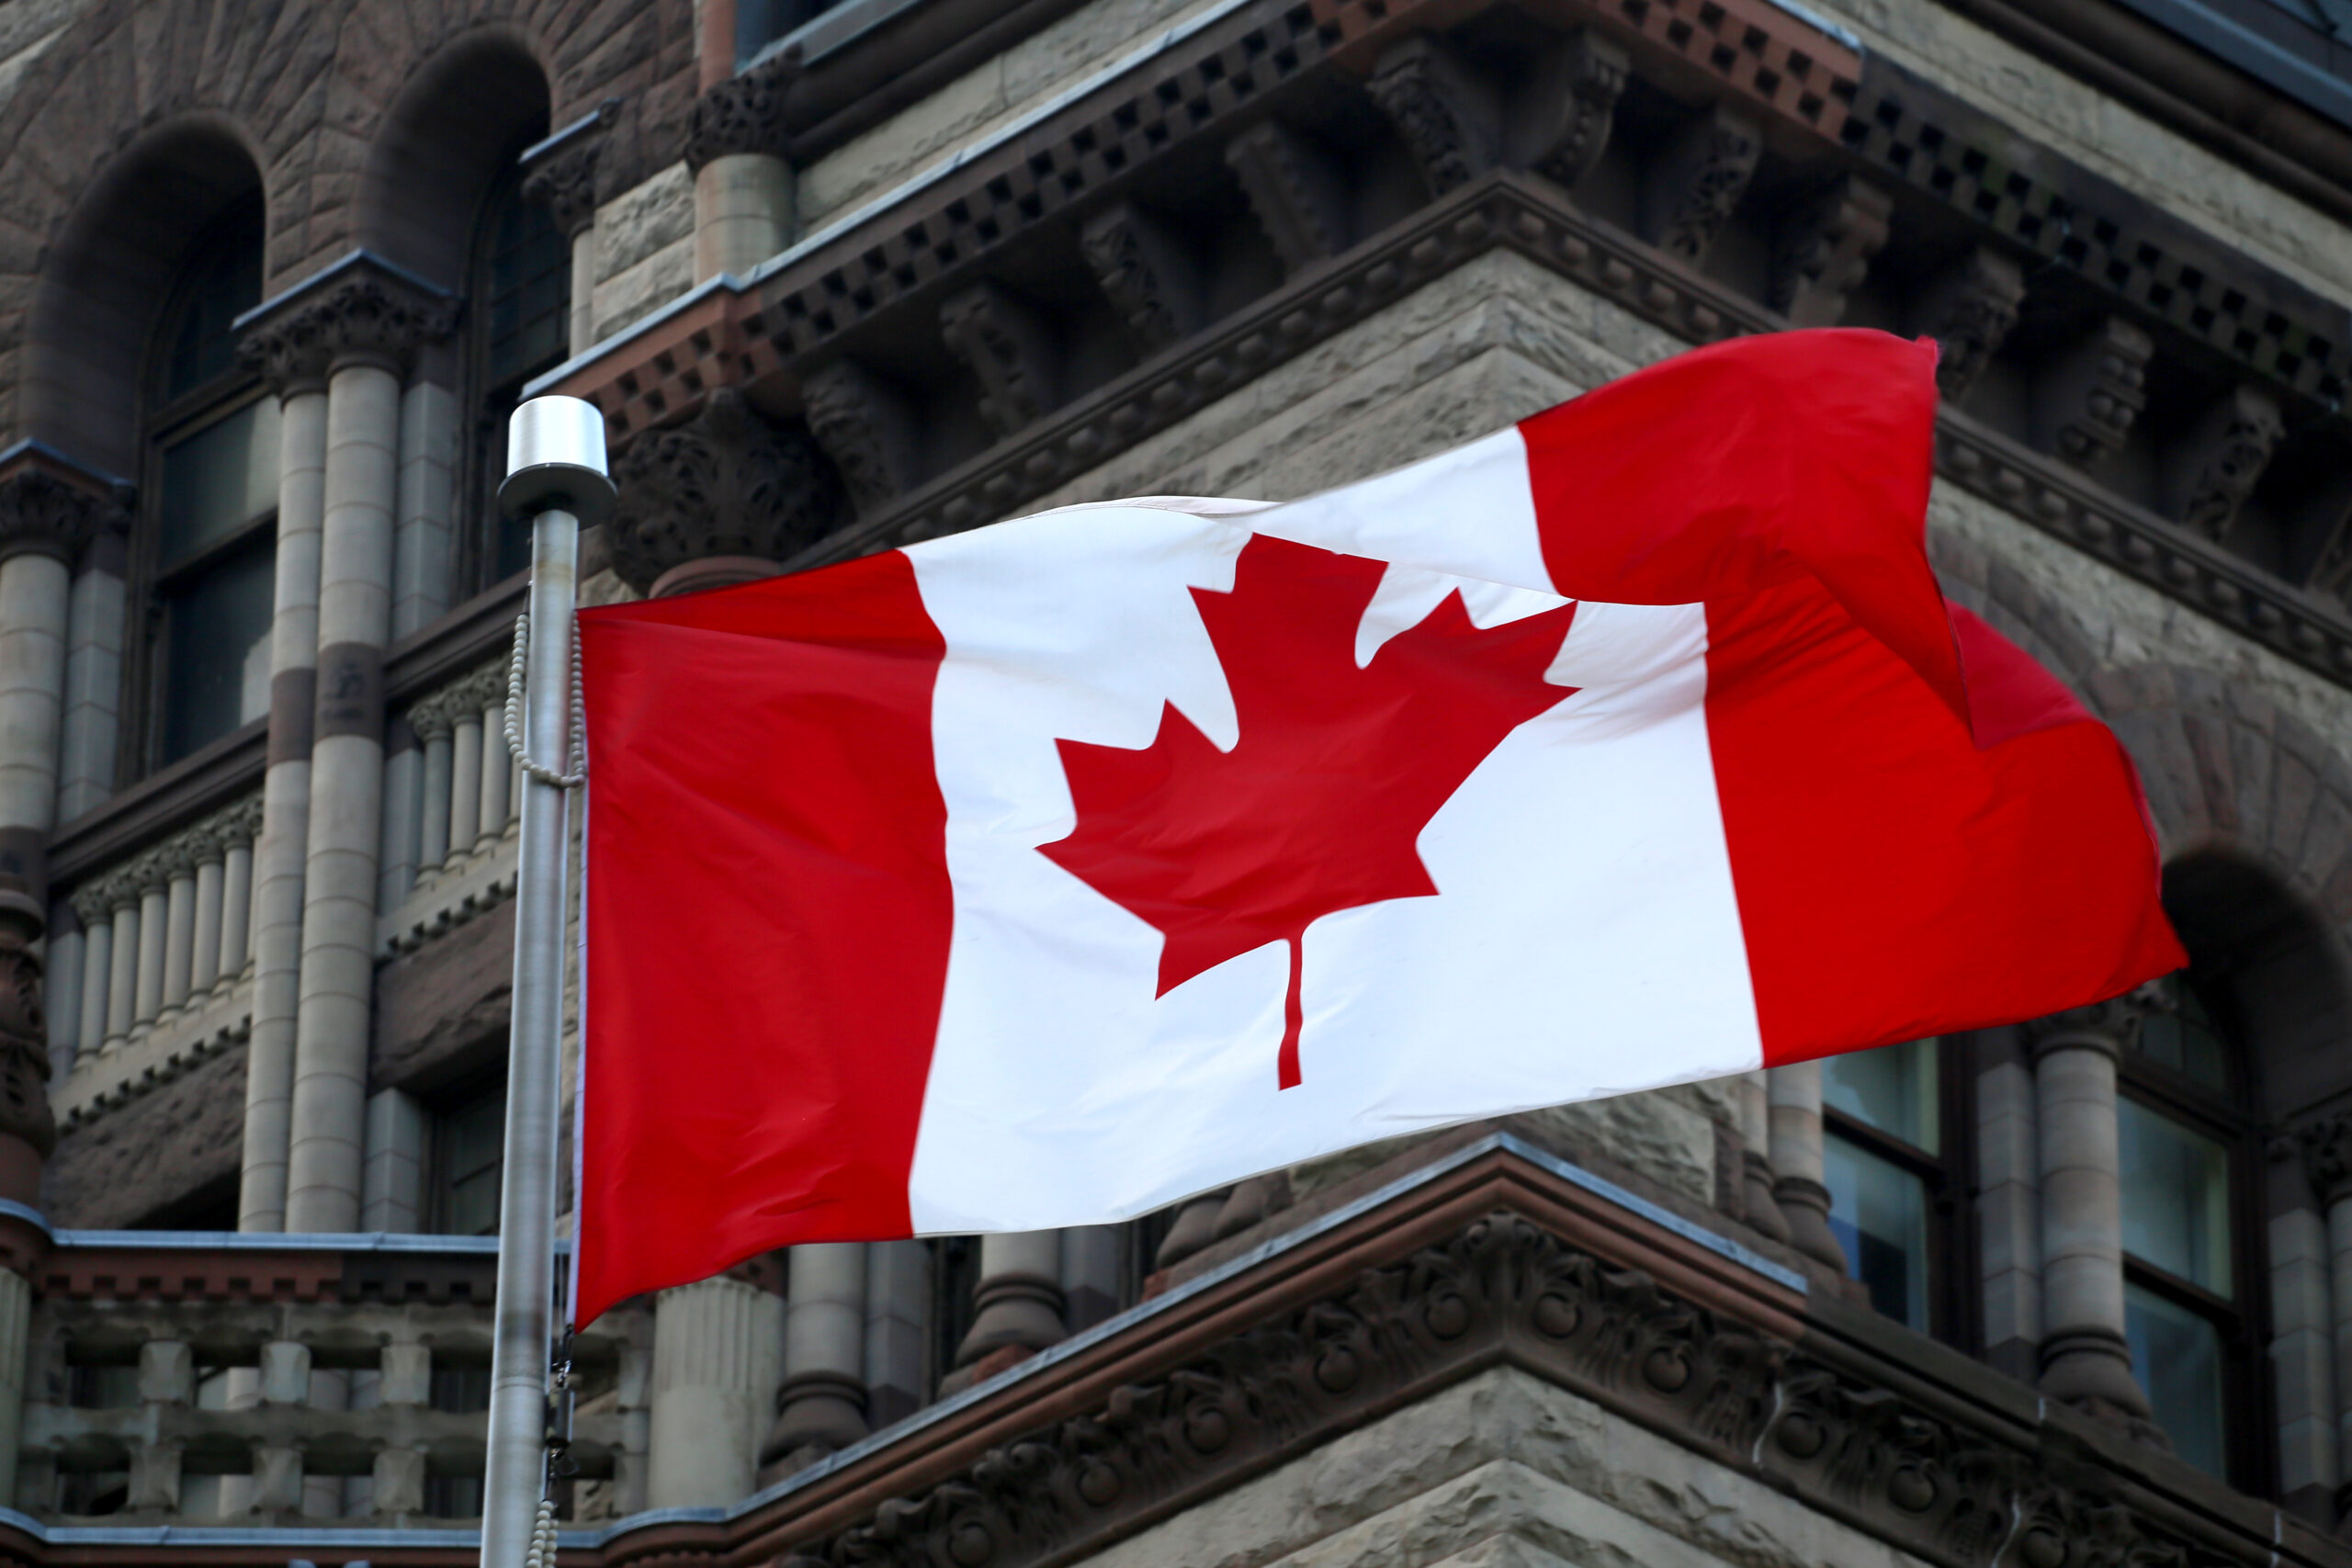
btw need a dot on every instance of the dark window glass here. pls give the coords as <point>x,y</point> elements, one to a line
<point>210,549</point>
<point>216,658</point>
<point>1882,1160</point>
<point>530,289</point>
<point>470,1147</point>
<point>522,277</point>
<point>2188,1042</point>
<point>2177,1353</point>
<point>224,283</point>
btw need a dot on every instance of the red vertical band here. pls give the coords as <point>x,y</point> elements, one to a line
<point>767,925</point>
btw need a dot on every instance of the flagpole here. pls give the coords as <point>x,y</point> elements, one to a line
<point>556,477</point>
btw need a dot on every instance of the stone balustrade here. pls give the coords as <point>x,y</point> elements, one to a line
<point>286,1380</point>
<point>454,794</point>
<point>162,934</point>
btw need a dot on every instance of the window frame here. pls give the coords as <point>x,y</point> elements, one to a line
<point>2248,1435</point>
<point>166,421</point>
<point>1953,1298</point>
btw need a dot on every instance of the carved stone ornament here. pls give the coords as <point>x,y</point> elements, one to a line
<point>1969,311</point>
<point>41,513</point>
<point>1561,118</point>
<point>1146,271</point>
<point>2086,399</point>
<point>726,482</point>
<point>865,427</point>
<point>565,184</point>
<point>358,307</point>
<point>1009,349</point>
<point>744,113</point>
<point>1298,193</point>
<point>2224,458</point>
<point>1698,181</point>
<point>24,1045</point>
<point>2326,1147</point>
<point>1825,249</point>
<point>2111,1027</point>
<point>1447,113</point>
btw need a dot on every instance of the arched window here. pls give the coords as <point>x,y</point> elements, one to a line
<point>208,541</point>
<point>522,287</point>
<point>1887,1158</point>
<point>2185,1127</point>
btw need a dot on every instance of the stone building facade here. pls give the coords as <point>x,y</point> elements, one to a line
<point>845,273</point>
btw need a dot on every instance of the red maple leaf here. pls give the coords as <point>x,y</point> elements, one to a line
<point>1335,772</point>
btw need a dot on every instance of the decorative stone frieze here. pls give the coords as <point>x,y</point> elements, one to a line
<point>729,482</point>
<point>52,508</point>
<point>2217,466</point>
<point>1572,104</point>
<point>360,307</point>
<point>24,1113</point>
<point>742,114</point>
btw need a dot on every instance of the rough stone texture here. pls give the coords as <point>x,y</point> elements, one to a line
<point>118,1171</point>
<point>1500,1469</point>
<point>441,1011</point>
<point>645,249</point>
<point>2136,153</point>
<point>1014,84</point>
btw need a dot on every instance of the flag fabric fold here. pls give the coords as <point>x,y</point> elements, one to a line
<point>1047,874</point>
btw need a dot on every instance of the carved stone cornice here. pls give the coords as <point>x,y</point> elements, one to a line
<point>25,1112</point>
<point>728,482</point>
<point>53,506</point>
<point>742,114</point>
<point>2221,459</point>
<point>560,173</point>
<point>1968,312</point>
<point>360,309</point>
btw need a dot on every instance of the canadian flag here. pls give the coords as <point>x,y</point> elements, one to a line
<point>1047,874</point>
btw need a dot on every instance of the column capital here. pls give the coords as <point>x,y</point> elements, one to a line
<point>52,505</point>
<point>560,171</point>
<point>2326,1147</point>
<point>744,113</point>
<point>2109,1027</point>
<point>729,489</point>
<point>359,309</point>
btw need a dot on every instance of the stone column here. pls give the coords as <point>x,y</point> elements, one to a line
<point>424,546</point>
<point>291,352</point>
<point>821,1406</point>
<point>560,173</point>
<point>743,187</point>
<point>1797,1186</point>
<point>2085,1361</point>
<point>1094,1270</point>
<point>2327,1160</point>
<point>373,320</point>
<point>1020,1300</point>
<point>898,1330</point>
<point>719,499</point>
<point>715,1369</point>
<point>92,721</point>
<point>2008,1214</point>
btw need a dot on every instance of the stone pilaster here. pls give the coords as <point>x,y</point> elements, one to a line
<point>2326,1147</point>
<point>715,1368</point>
<point>719,499</point>
<point>2085,1361</point>
<point>1020,1302</point>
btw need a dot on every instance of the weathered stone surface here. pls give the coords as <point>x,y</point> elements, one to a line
<point>154,1151</point>
<point>645,220</point>
<point>1501,1464</point>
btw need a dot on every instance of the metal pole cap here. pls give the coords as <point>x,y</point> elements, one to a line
<point>555,457</point>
